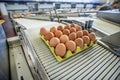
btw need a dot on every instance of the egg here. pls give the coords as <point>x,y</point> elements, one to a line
<point>53,29</point>
<point>49,35</point>
<point>78,28</point>
<point>66,31</point>
<point>72,36</point>
<point>58,33</point>
<point>72,25</point>
<point>54,41</point>
<point>60,50</point>
<point>79,34</point>
<point>85,32</point>
<point>92,36</point>
<point>43,31</point>
<point>70,45</point>
<point>86,39</point>
<point>60,28</point>
<point>67,27</point>
<point>64,38</point>
<point>79,42</point>
<point>72,29</point>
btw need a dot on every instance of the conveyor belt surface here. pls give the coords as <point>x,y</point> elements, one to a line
<point>105,27</point>
<point>93,63</point>
<point>29,23</point>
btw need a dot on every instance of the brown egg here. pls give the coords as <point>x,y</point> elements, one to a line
<point>53,29</point>
<point>60,50</point>
<point>60,28</point>
<point>85,32</point>
<point>86,39</point>
<point>43,31</point>
<point>54,41</point>
<point>67,27</point>
<point>70,45</point>
<point>49,35</point>
<point>72,36</point>
<point>72,25</point>
<point>72,29</point>
<point>79,42</point>
<point>78,28</point>
<point>58,33</point>
<point>79,34</point>
<point>92,36</point>
<point>66,31</point>
<point>64,38</point>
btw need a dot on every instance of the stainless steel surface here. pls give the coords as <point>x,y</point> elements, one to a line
<point>13,70</point>
<point>36,68</point>
<point>18,65</point>
<point>111,15</point>
<point>93,63</point>
<point>104,26</point>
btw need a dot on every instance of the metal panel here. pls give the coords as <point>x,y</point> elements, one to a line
<point>111,15</point>
<point>18,64</point>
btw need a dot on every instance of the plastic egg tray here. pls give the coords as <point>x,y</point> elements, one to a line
<point>68,53</point>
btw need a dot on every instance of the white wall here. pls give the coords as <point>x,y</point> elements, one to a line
<point>17,7</point>
<point>79,5</point>
<point>65,6</point>
<point>3,9</point>
<point>45,6</point>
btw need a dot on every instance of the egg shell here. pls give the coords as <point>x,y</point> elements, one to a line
<point>66,31</point>
<point>53,29</point>
<point>86,39</point>
<point>79,34</point>
<point>78,28</point>
<point>60,28</point>
<point>49,35</point>
<point>60,50</point>
<point>58,33</point>
<point>79,42</point>
<point>72,36</point>
<point>72,29</point>
<point>64,38</point>
<point>70,45</point>
<point>43,31</point>
<point>66,27</point>
<point>54,41</point>
<point>92,36</point>
<point>72,25</point>
<point>85,32</point>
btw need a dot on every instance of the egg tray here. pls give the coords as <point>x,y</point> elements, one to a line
<point>68,53</point>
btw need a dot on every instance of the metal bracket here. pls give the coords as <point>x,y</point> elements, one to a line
<point>14,41</point>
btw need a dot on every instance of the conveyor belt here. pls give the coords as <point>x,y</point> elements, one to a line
<point>93,63</point>
<point>104,27</point>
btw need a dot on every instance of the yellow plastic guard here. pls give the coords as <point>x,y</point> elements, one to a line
<point>68,53</point>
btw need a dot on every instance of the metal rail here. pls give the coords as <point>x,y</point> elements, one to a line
<point>35,66</point>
